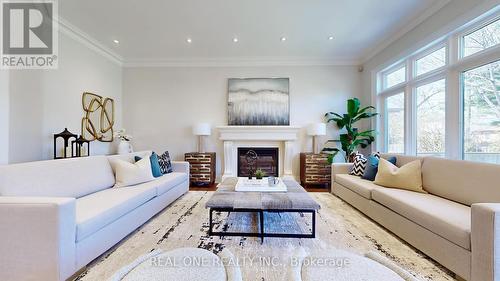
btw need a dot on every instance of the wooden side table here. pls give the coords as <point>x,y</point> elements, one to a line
<point>315,169</point>
<point>201,168</point>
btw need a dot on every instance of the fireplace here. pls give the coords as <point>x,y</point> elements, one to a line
<point>267,160</point>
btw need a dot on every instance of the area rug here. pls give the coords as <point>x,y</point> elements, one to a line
<point>339,226</point>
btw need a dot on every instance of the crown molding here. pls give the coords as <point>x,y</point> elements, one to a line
<point>237,62</point>
<point>87,40</point>
<point>391,38</point>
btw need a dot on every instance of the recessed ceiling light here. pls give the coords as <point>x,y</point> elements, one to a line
<point>116,41</point>
<point>330,38</point>
<point>235,40</point>
<point>283,38</point>
<point>189,40</point>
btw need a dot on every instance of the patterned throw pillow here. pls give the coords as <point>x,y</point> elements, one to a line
<point>165,163</point>
<point>359,165</point>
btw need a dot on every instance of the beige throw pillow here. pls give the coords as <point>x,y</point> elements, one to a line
<point>407,177</point>
<point>133,173</point>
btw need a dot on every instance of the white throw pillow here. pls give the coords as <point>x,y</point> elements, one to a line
<point>133,173</point>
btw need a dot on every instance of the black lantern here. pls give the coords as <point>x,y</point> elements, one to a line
<point>78,147</point>
<point>66,136</point>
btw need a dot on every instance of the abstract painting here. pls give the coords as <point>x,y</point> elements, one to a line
<point>258,102</point>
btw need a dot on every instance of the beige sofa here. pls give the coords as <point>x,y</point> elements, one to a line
<point>457,223</point>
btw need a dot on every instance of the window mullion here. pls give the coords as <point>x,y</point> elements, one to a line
<point>410,115</point>
<point>453,138</point>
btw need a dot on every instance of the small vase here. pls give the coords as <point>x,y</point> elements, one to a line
<point>124,147</point>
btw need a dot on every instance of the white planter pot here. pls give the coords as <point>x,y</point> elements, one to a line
<point>124,147</point>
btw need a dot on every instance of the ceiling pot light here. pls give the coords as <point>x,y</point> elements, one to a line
<point>189,40</point>
<point>116,41</point>
<point>330,38</point>
<point>283,38</point>
<point>235,40</point>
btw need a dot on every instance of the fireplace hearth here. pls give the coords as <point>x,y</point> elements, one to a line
<point>267,161</point>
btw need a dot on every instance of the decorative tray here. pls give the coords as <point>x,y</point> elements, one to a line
<point>255,185</point>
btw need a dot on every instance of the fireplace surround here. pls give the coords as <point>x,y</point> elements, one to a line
<point>281,137</point>
<point>267,161</point>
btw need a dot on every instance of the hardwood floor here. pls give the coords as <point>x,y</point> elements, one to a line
<point>212,187</point>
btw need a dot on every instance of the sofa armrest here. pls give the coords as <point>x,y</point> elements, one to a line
<point>180,166</point>
<point>37,238</point>
<point>340,168</point>
<point>485,242</point>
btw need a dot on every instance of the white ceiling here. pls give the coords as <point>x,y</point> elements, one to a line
<point>158,29</point>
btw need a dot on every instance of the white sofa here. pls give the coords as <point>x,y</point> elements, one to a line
<point>57,216</point>
<point>457,223</point>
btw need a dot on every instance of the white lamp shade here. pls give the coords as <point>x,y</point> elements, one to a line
<point>316,129</point>
<point>202,129</point>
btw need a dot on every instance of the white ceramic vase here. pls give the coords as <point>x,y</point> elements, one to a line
<point>124,147</point>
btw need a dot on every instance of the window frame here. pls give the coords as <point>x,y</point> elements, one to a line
<point>462,103</point>
<point>385,113</point>
<point>468,31</point>
<point>427,52</point>
<point>452,72</point>
<point>389,71</point>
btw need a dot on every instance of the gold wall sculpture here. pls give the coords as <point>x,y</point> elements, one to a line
<point>99,118</point>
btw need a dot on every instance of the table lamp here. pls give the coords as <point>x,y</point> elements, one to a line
<point>314,130</point>
<point>201,130</point>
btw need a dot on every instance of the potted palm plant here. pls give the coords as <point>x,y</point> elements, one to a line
<point>352,138</point>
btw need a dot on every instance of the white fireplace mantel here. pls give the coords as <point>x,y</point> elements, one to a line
<point>245,136</point>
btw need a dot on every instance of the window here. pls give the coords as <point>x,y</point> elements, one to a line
<point>430,108</point>
<point>395,111</point>
<point>431,61</point>
<point>481,112</point>
<point>481,39</point>
<point>436,104</point>
<point>395,77</point>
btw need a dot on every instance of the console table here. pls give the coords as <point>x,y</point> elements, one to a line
<point>201,168</point>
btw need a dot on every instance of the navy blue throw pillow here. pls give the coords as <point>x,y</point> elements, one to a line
<point>155,164</point>
<point>372,167</point>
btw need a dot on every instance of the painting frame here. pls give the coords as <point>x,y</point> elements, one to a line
<point>260,101</point>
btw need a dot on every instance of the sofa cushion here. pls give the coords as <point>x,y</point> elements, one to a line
<point>356,184</point>
<point>130,157</point>
<point>128,174</point>
<point>74,177</point>
<point>402,159</point>
<point>465,182</point>
<point>408,176</point>
<point>97,210</point>
<point>169,181</point>
<point>445,218</point>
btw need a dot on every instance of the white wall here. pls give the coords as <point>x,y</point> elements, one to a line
<point>44,102</point>
<point>4,117</point>
<point>161,104</point>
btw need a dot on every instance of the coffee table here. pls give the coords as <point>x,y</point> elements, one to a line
<point>295,200</point>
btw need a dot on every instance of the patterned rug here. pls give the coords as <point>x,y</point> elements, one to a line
<point>339,226</point>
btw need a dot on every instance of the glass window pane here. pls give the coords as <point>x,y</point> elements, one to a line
<point>395,106</point>
<point>482,113</point>
<point>481,39</point>
<point>395,77</point>
<point>431,119</point>
<point>432,61</point>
